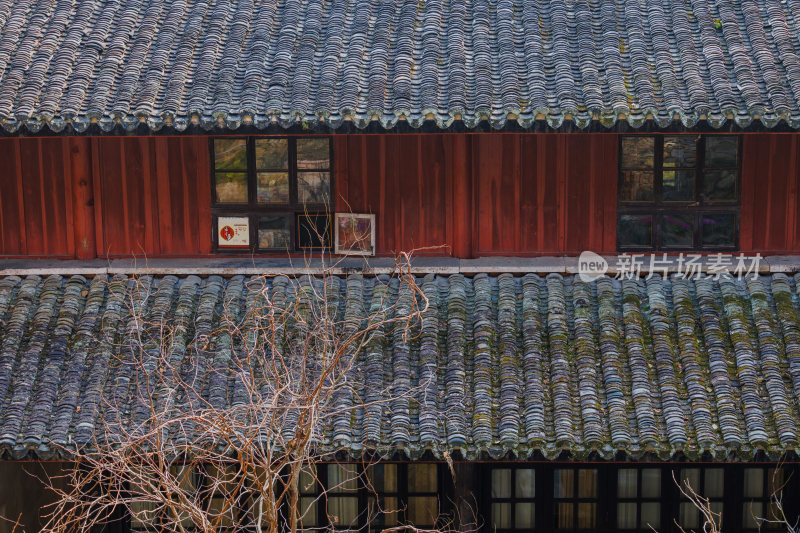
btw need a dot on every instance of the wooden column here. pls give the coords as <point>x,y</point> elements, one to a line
<point>462,197</point>
<point>82,197</point>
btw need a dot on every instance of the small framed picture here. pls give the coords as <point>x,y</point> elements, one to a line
<point>233,232</point>
<point>354,234</point>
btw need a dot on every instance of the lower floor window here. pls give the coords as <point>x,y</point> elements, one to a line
<point>763,498</point>
<point>513,499</point>
<point>638,499</point>
<point>575,494</point>
<point>351,496</point>
<point>705,483</point>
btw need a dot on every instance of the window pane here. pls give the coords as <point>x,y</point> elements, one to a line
<point>719,185</point>
<point>342,478</point>
<point>313,153</point>
<point>587,483</point>
<point>637,186</point>
<point>626,483</point>
<point>525,483</point>
<point>651,515</point>
<point>774,481</point>
<point>719,229</point>
<point>680,151</point>
<point>342,510</point>
<point>678,186</point>
<point>385,515</point>
<point>564,517</point>
<point>231,187</point>
<point>501,483</point>
<point>714,485</point>
<point>524,515</point>
<point>501,515</point>
<point>564,483</point>
<point>308,511</point>
<point>754,482</point>
<point>221,509</point>
<point>688,515</point>
<point>273,187</point>
<point>313,231</point>
<point>422,477</point>
<point>313,187</point>
<point>721,151</point>
<point>626,515</point>
<point>651,483</point>
<point>274,233</point>
<point>308,480</point>
<point>690,478</point>
<point>635,230</point>
<point>391,510</point>
<point>677,230</point>
<point>272,153</point>
<point>716,509</point>
<point>230,154</point>
<point>383,477</point>
<point>587,515</point>
<point>750,513</point>
<point>422,510</point>
<point>637,152</point>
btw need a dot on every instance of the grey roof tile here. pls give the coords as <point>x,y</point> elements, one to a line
<point>173,62</point>
<point>496,364</point>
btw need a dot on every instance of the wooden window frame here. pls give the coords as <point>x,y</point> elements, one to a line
<point>363,494</point>
<point>514,499</point>
<point>253,210</point>
<point>639,499</point>
<point>696,208</point>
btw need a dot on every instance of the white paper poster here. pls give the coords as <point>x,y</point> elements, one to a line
<point>233,231</point>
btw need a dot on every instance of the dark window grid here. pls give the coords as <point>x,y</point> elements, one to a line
<point>363,495</point>
<point>575,500</point>
<point>514,499</point>
<point>787,485</point>
<point>200,480</point>
<point>639,499</point>
<point>696,207</point>
<point>725,501</point>
<point>253,209</point>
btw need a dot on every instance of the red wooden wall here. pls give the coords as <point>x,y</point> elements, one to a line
<point>465,195</point>
<point>36,211</point>
<point>770,211</point>
<point>153,196</point>
<point>472,195</point>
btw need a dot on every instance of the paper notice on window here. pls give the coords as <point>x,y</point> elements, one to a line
<point>233,232</point>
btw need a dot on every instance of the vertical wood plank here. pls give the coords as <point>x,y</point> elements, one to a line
<point>609,187</point>
<point>80,159</point>
<point>32,188</point>
<point>12,205</point>
<point>750,145</point>
<point>97,189</point>
<point>461,203</point>
<point>199,179</point>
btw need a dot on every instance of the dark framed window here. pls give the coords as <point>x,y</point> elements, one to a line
<point>763,488</point>
<point>639,499</point>
<point>372,497</point>
<point>575,498</point>
<point>271,194</point>
<point>679,192</point>
<point>513,498</point>
<point>709,483</point>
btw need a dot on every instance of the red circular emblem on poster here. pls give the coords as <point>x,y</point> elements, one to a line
<point>226,233</point>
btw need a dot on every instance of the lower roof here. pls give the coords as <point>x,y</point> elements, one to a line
<point>519,364</point>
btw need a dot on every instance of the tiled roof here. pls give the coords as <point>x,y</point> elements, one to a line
<point>520,363</point>
<point>225,63</point>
